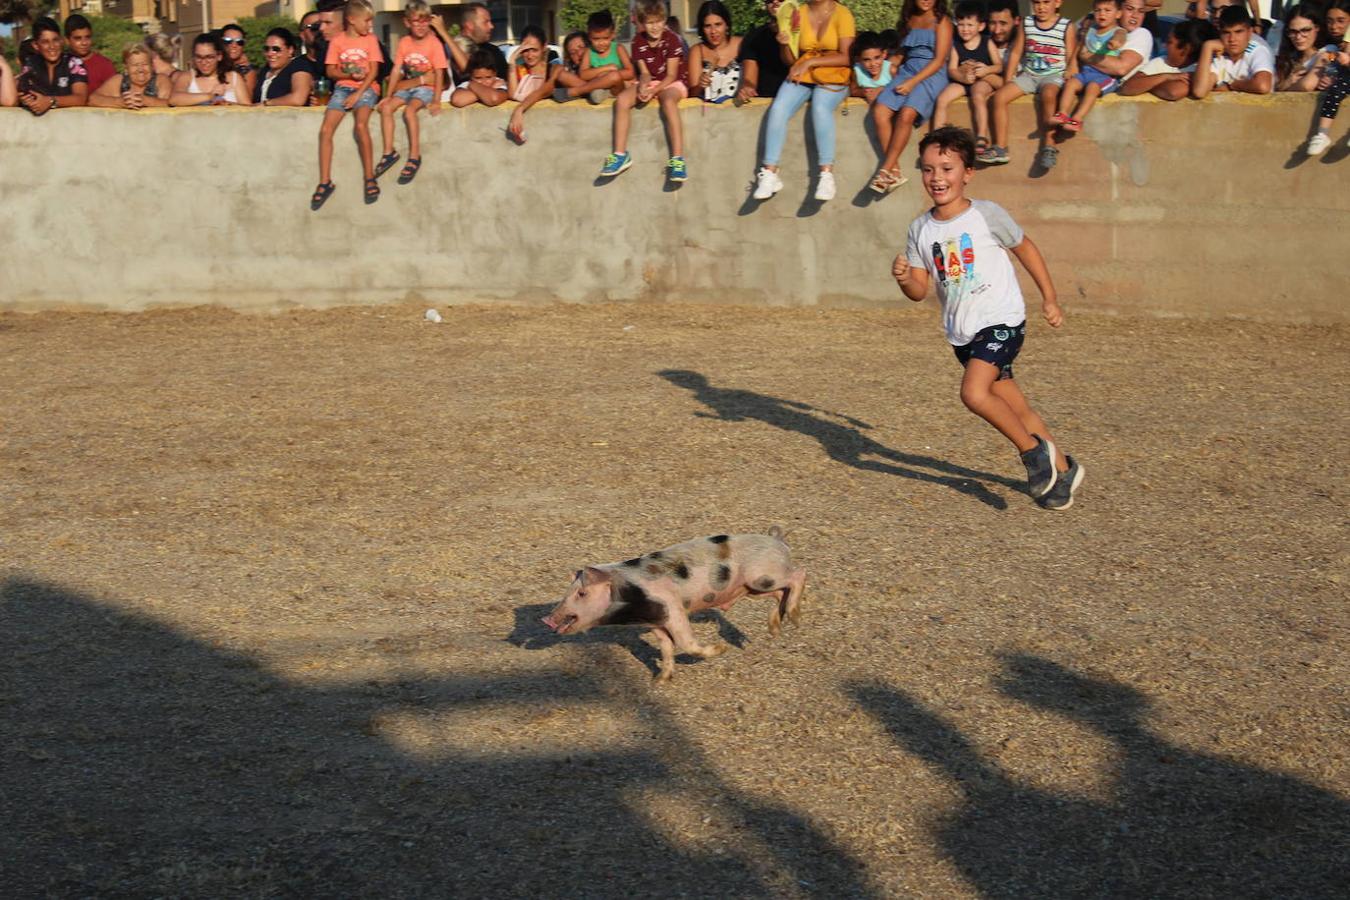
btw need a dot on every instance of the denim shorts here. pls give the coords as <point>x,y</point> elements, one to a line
<point>340,95</point>
<point>423,93</point>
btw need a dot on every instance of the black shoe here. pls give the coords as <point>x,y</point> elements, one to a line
<point>1040,463</point>
<point>1061,495</point>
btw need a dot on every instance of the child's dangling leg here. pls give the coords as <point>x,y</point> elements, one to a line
<point>670,99</point>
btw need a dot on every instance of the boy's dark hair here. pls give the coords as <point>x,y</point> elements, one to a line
<point>951,139</point>
<point>75,21</point>
<point>600,20</point>
<point>1192,34</point>
<point>326,6</point>
<point>968,8</point>
<point>481,59</point>
<point>890,40</point>
<point>1230,16</point>
<point>45,24</point>
<point>867,40</point>
<point>1115,3</point>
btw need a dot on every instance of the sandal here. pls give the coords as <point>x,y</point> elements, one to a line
<point>1060,118</point>
<point>321,195</point>
<point>886,180</point>
<point>372,191</point>
<point>385,164</point>
<point>410,170</point>
<point>1072,125</point>
<point>981,145</point>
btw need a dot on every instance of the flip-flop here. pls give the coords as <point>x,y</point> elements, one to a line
<point>1059,118</point>
<point>886,181</point>
<point>372,191</point>
<point>321,195</point>
<point>385,164</point>
<point>981,145</point>
<point>1072,125</point>
<point>410,169</point>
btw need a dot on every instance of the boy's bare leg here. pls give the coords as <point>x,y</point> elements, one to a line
<point>1011,394</point>
<point>670,107</point>
<point>979,397</point>
<point>899,137</point>
<point>1046,100</point>
<point>414,128</point>
<point>980,92</point>
<point>944,100</point>
<point>884,119</point>
<point>388,107</point>
<point>1002,97</point>
<point>623,115</point>
<point>1066,96</point>
<point>363,142</point>
<point>1090,95</point>
<point>331,118</point>
<point>462,97</point>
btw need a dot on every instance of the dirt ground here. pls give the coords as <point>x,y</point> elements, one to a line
<point>269,590</point>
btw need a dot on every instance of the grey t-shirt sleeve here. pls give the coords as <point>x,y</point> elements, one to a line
<point>912,251</point>
<point>1007,232</point>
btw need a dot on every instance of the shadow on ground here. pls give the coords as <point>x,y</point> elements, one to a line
<point>843,441</point>
<point>139,761</point>
<point>1180,823</point>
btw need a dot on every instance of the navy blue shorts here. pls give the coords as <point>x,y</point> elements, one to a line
<point>997,345</point>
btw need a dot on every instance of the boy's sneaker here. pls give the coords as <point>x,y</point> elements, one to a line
<point>767,183</point>
<point>1047,158</point>
<point>1318,143</point>
<point>1040,463</point>
<point>825,186</point>
<point>1061,495</point>
<point>994,156</point>
<point>597,96</point>
<point>678,170</point>
<point>615,163</point>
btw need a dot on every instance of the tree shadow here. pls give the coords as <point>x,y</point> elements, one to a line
<point>1178,824</point>
<point>843,443</point>
<point>140,761</point>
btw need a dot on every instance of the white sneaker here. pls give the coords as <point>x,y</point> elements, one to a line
<point>1318,143</point>
<point>825,186</point>
<point>767,183</point>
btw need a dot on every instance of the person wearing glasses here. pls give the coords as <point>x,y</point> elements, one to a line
<point>138,88</point>
<point>285,80</point>
<point>311,37</point>
<point>210,81</point>
<point>1300,62</point>
<point>233,36</point>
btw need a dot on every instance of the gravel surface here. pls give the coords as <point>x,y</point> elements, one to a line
<point>269,590</point>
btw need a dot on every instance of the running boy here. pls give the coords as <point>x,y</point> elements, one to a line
<point>961,244</point>
<point>658,54</point>
<point>1044,51</point>
<point>414,84</point>
<point>353,61</point>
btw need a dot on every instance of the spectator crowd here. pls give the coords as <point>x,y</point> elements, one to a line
<point>808,53</point>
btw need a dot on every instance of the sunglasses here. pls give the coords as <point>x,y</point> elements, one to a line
<point>225,40</point>
<point>1300,30</point>
<point>315,27</point>
<point>273,48</point>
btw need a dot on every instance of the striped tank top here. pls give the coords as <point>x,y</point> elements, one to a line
<point>1044,53</point>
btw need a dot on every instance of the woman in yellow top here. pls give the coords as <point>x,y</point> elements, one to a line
<point>815,38</point>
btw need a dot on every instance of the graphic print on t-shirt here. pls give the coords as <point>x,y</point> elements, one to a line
<point>353,61</point>
<point>415,64</point>
<point>955,261</point>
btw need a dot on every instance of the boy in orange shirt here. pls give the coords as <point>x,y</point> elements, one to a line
<point>415,83</point>
<point>353,62</point>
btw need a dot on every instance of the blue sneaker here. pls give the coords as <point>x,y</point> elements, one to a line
<point>1040,463</point>
<point>1060,496</point>
<point>678,170</point>
<point>614,164</point>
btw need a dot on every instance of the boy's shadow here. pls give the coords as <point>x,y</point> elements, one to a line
<point>529,633</point>
<point>1337,153</point>
<point>1177,823</point>
<point>843,443</point>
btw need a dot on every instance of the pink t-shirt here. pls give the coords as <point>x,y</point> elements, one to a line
<point>353,54</point>
<point>414,57</point>
<point>657,54</point>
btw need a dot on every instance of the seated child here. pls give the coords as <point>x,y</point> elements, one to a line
<point>975,68</point>
<point>872,68</point>
<point>483,85</point>
<point>531,78</point>
<point>570,84</point>
<point>415,83</point>
<point>1105,37</point>
<point>1044,51</point>
<point>608,68</point>
<point>1237,61</point>
<point>353,62</point>
<point>659,56</point>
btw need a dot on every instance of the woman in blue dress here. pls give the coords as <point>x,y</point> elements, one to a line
<point>926,40</point>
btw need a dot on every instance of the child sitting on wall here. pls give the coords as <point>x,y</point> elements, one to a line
<point>483,85</point>
<point>415,84</point>
<point>1105,37</point>
<point>872,67</point>
<point>353,62</point>
<point>975,67</point>
<point>608,69</point>
<point>659,56</point>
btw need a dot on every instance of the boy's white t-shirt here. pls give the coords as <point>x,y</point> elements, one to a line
<point>967,260</point>
<point>1256,58</point>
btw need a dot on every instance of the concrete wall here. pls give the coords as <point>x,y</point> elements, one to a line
<point>1185,208</point>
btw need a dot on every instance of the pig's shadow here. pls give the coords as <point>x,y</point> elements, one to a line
<point>531,634</point>
<point>843,442</point>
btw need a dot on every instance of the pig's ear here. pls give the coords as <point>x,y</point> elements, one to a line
<point>591,575</point>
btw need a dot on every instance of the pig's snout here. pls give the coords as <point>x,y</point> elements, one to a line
<point>559,623</point>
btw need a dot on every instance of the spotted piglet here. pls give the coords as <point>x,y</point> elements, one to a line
<point>662,589</point>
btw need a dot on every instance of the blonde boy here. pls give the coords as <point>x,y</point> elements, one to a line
<point>353,62</point>
<point>658,54</point>
<point>414,84</point>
